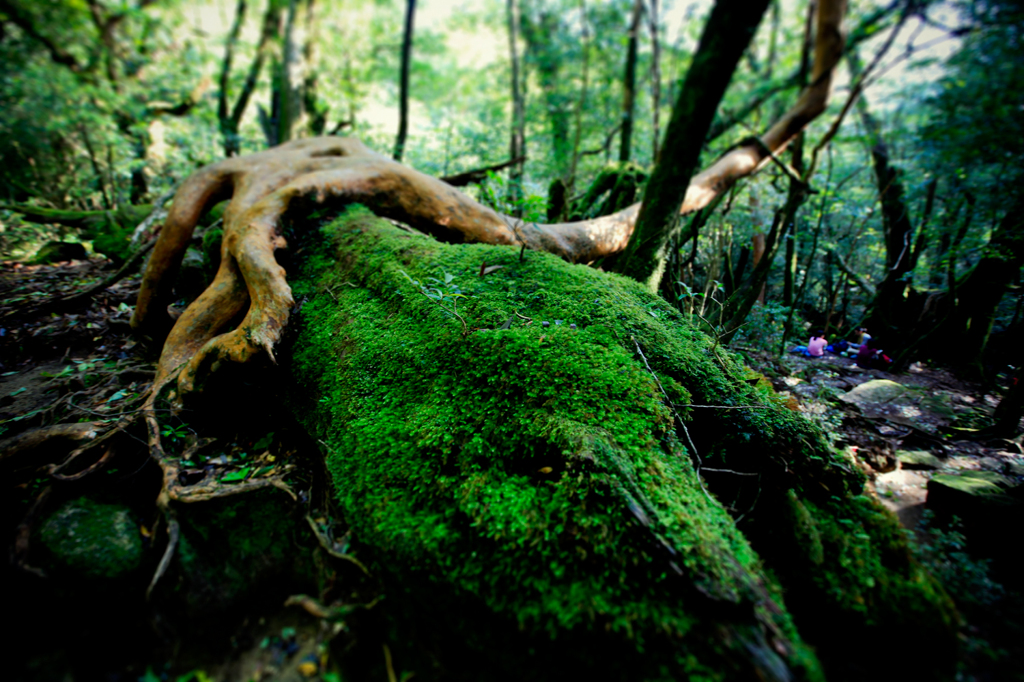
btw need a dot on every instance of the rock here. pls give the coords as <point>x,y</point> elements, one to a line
<point>991,509</point>
<point>971,493</point>
<point>55,252</point>
<point>918,459</point>
<point>233,550</point>
<point>193,275</point>
<point>874,392</point>
<point>92,540</point>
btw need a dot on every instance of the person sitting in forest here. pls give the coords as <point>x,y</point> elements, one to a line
<point>815,348</point>
<point>870,356</point>
<point>862,336</point>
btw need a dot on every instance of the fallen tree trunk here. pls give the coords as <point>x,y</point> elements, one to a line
<point>547,459</point>
<point>108,230</point>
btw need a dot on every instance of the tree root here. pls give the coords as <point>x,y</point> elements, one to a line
<point>173,535</point>
<point>36,441</point>
<point>331,547</point>
<point>23,536</point>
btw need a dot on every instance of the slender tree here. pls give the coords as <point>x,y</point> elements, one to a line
<point>403,88</point>
<point>655,79</point>
<point>230,116</point>
<point>517,141</point>
<point>629,81</point>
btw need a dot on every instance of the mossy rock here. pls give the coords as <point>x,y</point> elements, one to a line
<point>236,549</point>
<point>56,252</point>
<point>91,540</point>
<point>918,459</point>
<point>530,493</point>
<point>969,492</point>
<point>617,186</point>
<point>874,392</point>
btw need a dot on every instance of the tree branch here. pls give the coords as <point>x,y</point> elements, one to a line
<point>479,174</point>
<point>857,279</point>
<point>57,54</point>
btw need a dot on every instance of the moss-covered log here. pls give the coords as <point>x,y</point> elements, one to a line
<point>518,453</point>
<point>109,231</point>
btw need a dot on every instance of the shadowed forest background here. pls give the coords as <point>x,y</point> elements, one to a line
<point>246,507</point>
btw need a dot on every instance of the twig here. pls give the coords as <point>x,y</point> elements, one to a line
<point>328,545</point>
<point>173,533</point>
<point>87,292</point>
<point>679,419</point>
<point>730,407</point>
<point>479,174</point>
<point>730,471</point>
<point>387,664</point>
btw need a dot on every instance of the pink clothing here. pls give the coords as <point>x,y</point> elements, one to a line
<point>816,347</point>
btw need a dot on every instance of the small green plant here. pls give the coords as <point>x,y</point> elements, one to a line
<point>445,294</point>
<point>945,554</point>
<point>174,433</point>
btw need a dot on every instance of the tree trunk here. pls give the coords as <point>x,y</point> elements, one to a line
<point>725,37</point>
<point>629,81</point>
<point>223,109</point>
<point>231,122</point>
<point>517,138</point>
<point>581,104</point>
<point>888,312</point>
<point>963,338</point>
<point>290,113</point>
<point>546,61</point>
<point>554,489</point>
<point>797,190</point>
<point>655,81</point>
<point>403,87</point>
<point>1010,409</point>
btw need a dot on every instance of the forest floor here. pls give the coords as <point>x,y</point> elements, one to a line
<point>79,363</point>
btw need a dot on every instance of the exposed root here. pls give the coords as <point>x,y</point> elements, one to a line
<point>23,536</point>
<point>331,547</point>
<point>92,468</point>
<point>55,470</point>
<point>40,443</point>
<point>311,606</point>
<point>173,534</point>
<point>67,300</point>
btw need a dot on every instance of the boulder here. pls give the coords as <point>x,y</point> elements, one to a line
<point>91,540</point>
<point>968,492</point>
<point>56,252</point>
<point>918,459</point>
<point>874,392</point>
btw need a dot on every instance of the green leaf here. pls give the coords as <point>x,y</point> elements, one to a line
<point>236,476</point>
<point>264,443</point>
<point>17,392</point>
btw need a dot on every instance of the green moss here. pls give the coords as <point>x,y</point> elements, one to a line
<point>92,540</point>
<point>212,239</point>
<point>538,474</point>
